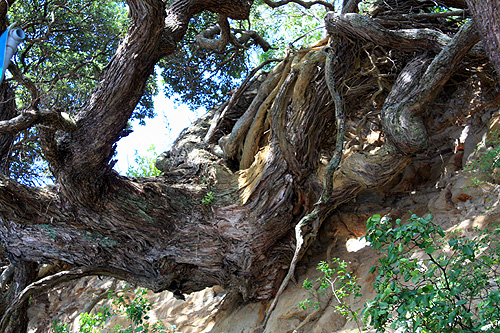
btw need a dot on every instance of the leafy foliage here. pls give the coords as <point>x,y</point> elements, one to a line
<point>135,309</point>
<point>288,26</point>
<point>488,161</point>
<point>199,77</point>
<point>68,44</point>
<point>145,165</point>
<point>26,161</point>
<point>208,199</point>
<point>342,284</point>
<point>88,323</point>
<point>428,282</point>
<point>59,327</point>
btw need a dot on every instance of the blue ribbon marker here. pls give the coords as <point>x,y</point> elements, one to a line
<point>9,41</point>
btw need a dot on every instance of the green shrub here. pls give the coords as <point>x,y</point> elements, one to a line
<point>428,282</point>
<point>145,165</point>
<point>59,327</point>
<point>487,162</point>
<point>208,199</point>
<point>135,309</point>
<point>340,281</point>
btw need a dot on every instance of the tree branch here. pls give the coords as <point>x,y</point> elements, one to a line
<point>422,16</point>
<point>4,7</point>
<point>246,35</point>
<point>487,19</point>
<point>45,284</point>
<point>206,39</point>
<point>305,4</point>
<point>7,111</point>
<point>242,88</point>
<point>28,118</point>
<point>410,135</point>
<point>362,27</point>
<point>24,204</point>
<point>454,3</point>
<point>27,83</point>
<point>350,6</point>
<point>120,89</point>
<point>81,165</point>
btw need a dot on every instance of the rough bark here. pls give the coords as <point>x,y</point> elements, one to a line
<point>486,15</point>
<point>24,272</point>
<point>7,111</point>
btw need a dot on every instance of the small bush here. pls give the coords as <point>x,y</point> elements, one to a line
<point>208,199</point>
<point>145,165</point>
<point>426,281</point>
<point>487,162</point>
<point>340,281</point>
<point>135,309</point>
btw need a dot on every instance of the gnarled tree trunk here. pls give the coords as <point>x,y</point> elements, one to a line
<point>269,174</point>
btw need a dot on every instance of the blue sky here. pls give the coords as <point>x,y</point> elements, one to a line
<point>161,131</point>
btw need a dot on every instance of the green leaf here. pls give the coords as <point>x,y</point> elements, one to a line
<point>428,288</point>
<point>383,305</point>
<point>468,250</point>
<point>429,249</point>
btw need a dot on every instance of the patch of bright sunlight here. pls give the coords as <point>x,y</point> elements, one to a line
<point>356,244</point>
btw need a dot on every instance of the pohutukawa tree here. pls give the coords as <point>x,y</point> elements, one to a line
<point>246,188</point>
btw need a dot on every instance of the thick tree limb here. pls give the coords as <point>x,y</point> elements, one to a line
<point>401,114</point>
<point>16,321</point>
<point>7,111</point>
<point>207,39</point>
<point>350,6</point>
<point>361,27</point>
<point>305,4</point>
<point>120,88</point>
<point>45,284</point>
<point>486,15</point>
<point>28,118</point>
